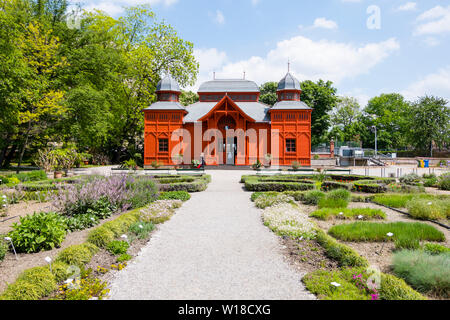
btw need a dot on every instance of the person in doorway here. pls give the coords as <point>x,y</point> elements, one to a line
<point>202,161</point>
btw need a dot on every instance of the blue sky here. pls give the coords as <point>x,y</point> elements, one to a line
<point>406,50</point>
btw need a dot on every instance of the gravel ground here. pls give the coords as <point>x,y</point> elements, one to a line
<point>215,247</point>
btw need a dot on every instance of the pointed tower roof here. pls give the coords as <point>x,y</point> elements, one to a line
<point>289,82</point>
<point>168,84</point>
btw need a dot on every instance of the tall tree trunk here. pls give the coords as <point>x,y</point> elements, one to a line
<point>3,153</point>
<point>10,155</point>
<point>24,146</point>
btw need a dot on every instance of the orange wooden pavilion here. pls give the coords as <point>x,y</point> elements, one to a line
<point>229,125</point>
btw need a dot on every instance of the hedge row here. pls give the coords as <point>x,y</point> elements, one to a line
<point>342,253</point>
<point>191,184</point>
<point>369,187</point>
<point>332,185</point>
<point>252,185</point>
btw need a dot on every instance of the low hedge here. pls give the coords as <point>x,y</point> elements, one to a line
<point>252,185</point>
<point>369,187</point>
<point>332,185</point>
<point>174,195</point>
<point>342,253</point>
<point>196,186</point>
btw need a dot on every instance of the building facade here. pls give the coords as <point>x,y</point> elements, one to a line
<point>228,125</point>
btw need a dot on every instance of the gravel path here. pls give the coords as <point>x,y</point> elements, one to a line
<point>215,247</point>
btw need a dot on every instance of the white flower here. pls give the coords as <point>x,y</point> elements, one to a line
<point>341,213</point>
<point>4,196</point>
<point>92,219</point>
<point>335,284</point>
<point>48,259</point>
<point>7,238</point>
<point>360,217</point>
<point>141,226</point>
<point>124,236</point>
<point>430,203</point>
<point>389,234</point>
<point>68,281</point>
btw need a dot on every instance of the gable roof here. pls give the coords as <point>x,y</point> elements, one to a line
<point>233,104</point>
<point>257,111</point>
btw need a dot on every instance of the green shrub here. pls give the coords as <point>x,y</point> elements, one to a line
<point>37,232</point>
<point>60,271</point>
<point>393,288</point>
<point>124,257</point>
<point>426,209</point>
<point>100,236</point>
<point>37,175</point>
<point>174,195</point>
<point>411,179</point>
<point>78,255</point>
<point>141,229</point>
<point>121,224</point>
<point>344,213</point>
<point>444,182</point>
<point>426,272</point>
<point>81,221</point>
<point>338,198</point>
<point>22,290</point>
<point>431,182</point>
<point>342,253</point>
<point>435,248</point>
<point>297,195</point>
<point>313,197</point>
<point>117,247</point>
<point>142,191</point>
<point>377,232</point>
<point>3,249</point>
<point>41,277</point>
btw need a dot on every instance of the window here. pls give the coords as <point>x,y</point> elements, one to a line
<point>163,145</point>
<point>291,145</point>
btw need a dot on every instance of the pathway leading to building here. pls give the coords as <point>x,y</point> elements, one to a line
<point>215,247</point>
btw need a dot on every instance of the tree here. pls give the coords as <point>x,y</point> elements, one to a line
<point>39,99</point>
<point>429,121</point>
<point>188,97</point>
<point>345,120</point>
<point>389,112</point>
<point>268,93</point>
<point>320,96</point>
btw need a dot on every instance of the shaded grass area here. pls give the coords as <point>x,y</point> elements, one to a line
<point>345,213</point>
<point>426,272</point>
<point>377,232</point>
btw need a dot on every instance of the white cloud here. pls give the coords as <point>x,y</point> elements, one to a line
<point>437,84</point>
<point>409,6</point>
<point>310,59</point>
<point>434,21</point>
<point>325,23</point>
<point>255,2</point>
<point>217,17</point>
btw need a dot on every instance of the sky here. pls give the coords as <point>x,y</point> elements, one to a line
<point>365,47</point>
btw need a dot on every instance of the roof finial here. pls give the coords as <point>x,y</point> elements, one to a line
<point>289,65</point>
<point>244,74</point>
<point>214,75</point>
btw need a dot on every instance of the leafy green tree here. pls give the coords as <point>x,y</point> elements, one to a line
<point>429,122</point>
<point>389,112</point>
<point>188,97</point>
<point>268,93</point>
<point>345,120</point>
<point>320,96</point>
